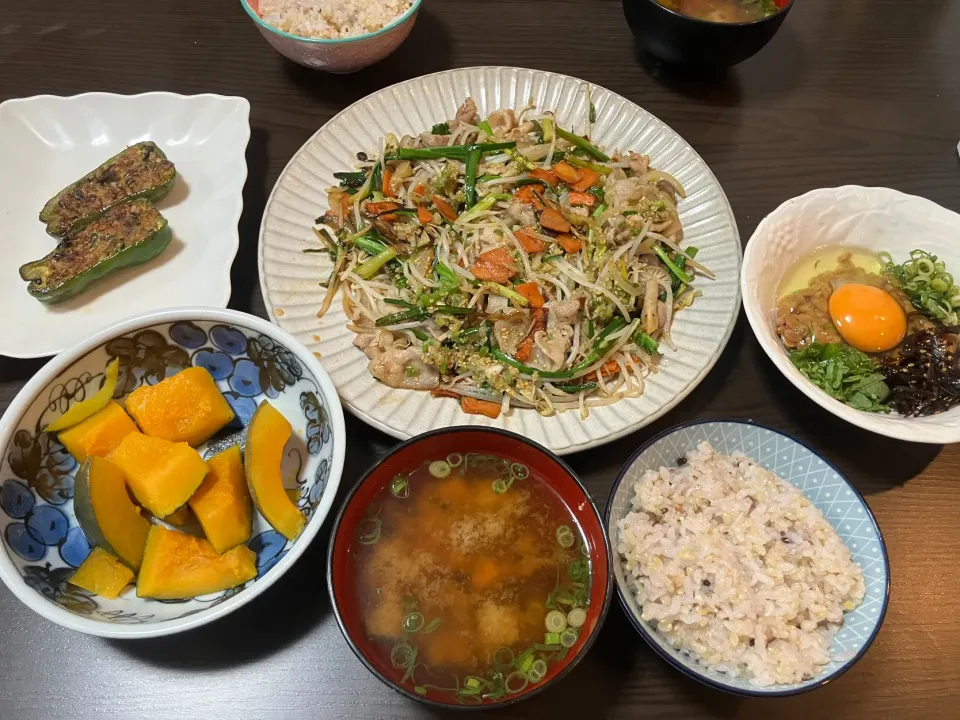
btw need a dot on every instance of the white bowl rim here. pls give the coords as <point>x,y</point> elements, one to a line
<point>894,426</point>
<point>11,417</point>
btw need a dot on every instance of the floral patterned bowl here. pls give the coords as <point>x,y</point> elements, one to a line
<point>252,360</point>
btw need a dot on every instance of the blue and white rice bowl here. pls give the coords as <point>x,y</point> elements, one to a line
<point>741,660</point>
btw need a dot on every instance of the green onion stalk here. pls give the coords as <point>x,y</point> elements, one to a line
<point>583,144</point>
<point>600,346</point>
<point>452,152</point>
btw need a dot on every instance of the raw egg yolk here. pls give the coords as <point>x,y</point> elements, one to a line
<point>867,317</point>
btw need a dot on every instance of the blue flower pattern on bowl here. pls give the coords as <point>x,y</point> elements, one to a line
<point>820,482</point>
<point>37,523</point>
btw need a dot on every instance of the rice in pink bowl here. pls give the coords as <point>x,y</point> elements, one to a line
<point>331,19</point>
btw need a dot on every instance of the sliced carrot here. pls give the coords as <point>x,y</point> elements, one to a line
<point>546,176</point>
<point>498,256</point>
<point>440,392</point>
<point>531,291</point>
<point>495,272</point>
<point>588,180</point>
<point>475,406</point>
<point>387,177</point>
<point>569,243</point>
<point>346,203</point>
<point>445,208</point>
<point>567,172</point>
<point>526,345</point>
<point>424,216</point>
<point>583,199</point>
<point>553,220</point>
<point>611,367</point>
<point>382,210</point>
<point>528,195</point>
<point>496,265</point>
<point>420,189</point>
<point>530,243</point>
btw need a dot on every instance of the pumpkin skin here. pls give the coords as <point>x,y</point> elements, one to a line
<point>162,475</point>
<point>84,409</point>
<point>99,434</point>
<point>102,574</point>
<point>105,513</point>
<point>178,566</point>
<point>222,503</point>
<point>267,434</point>
<point>187,407</point>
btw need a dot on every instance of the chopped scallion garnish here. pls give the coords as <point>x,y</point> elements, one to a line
<point>555,621</point>
<point>439,468</point>
<point>565,536</point>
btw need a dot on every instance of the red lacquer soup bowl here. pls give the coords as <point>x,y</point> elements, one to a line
<point>523,671</point>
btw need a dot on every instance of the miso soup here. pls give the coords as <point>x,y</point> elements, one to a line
<point>473,577</point>
<point>725,11</point>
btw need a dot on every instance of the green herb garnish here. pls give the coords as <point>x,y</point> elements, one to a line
<point>845,374</point>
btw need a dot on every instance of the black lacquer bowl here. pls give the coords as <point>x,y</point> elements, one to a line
<point>684,41</point>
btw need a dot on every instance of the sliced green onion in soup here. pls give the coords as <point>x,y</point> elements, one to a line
<point>402,655</point>
<point>551,638</point>
<point>568,638</point>
<point>556,621</point>
<point>537,671</point>
<point>525,660</point>
<point>400,486</point>
<point>565,536</point>
<point>516,682</point>
<point>503,658</point>
<point>368,531</point>
<point>454,459</point>
<point>578,570</point>
<point>413,622</point>
<point>520,472</point>
<point>439,468</point>
<point>576,617</point>
<point>500,486</point>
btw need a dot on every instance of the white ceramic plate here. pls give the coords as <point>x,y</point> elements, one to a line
<point>290,279</point>
<point>48,142</point>
<point>873,218</point>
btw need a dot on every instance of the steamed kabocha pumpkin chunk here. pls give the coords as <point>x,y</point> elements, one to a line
<point>105,512</point>
<point>267,435</point>
<point>162,474</point>
<point>102,574</point>
<point>99,434</point>
<point>177,566</point>
<point>222,503</point>
<point>179,517</point>
<point>186,407</point>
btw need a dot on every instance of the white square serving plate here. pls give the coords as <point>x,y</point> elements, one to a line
<point>48,142</point>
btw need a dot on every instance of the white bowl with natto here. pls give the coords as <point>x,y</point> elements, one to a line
<point>877,219</point>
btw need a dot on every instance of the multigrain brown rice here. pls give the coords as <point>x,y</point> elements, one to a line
<point>332,19</point>
<point>736,567</point>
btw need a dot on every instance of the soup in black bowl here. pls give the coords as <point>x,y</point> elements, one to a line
<point>704,33</point>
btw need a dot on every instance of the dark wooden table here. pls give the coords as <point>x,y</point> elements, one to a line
<point>850,91</point>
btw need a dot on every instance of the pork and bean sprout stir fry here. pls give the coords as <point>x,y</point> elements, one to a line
<point>509,261</point>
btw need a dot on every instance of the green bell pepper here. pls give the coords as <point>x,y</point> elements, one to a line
<point>128,234</point>
<point>140,171</point>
